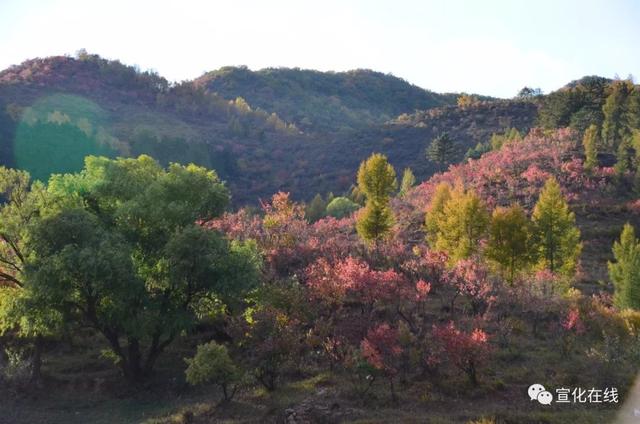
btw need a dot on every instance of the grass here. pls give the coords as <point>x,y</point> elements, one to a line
<point>82,386</point>
<point>72,395</point>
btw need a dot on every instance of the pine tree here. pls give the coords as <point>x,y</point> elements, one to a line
<point>465,223</point>
<point>435,212</point>
<point>625,271</point>
<point>408,181</point>
<point>377,181</point>
<point>442,150</point>
<point>509,240</point>
<point>590,143</point>
<point>616,125</point>
<point>557,237</point>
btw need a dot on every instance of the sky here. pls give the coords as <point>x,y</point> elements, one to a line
<point>490,47</point>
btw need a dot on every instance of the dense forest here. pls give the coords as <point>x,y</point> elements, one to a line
<point>324,101</point>
<point>296,246</point>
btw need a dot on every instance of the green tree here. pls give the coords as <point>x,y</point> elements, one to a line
<point>23,203</point>
<point>528,93</point>
<point>435,216</point>
<point>316,209</point>
<point>625,156</point>
<point>625,271</point>
<point>212,364</point>
<point>465,223</point>
<point>442,150</point>
<point>130,260</point>
<point>341,207</point>
<point>590,144</point>
<point>377,181</point>
<point>408,181</point>
<point>477,151</point>
<point>634,108</point>
<point>556,235</point>
<point>616,125</point>
<point>509,243</point>
<point>498,140</point>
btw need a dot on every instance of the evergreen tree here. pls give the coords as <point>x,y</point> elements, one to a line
<point>355,195</point>
<point>377,181</point>
<point>509,240</point>
<point>498,140</point>
<point>557,237</point>
<point>316,209</point>
<point>442,150</point>
<point>435,213</point>
<point>624,157</point>
<point>616,125</point>
<point>625,271</point>
<point>590,143</point>
<point>408,181</point>
<point>634,108</point>
<point>465,223</point>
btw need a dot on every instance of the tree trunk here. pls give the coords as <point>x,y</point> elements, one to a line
<point>134,372</point>
<point>36,361</point>
<point>394,396</point>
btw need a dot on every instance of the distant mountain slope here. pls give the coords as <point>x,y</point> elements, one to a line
<point>56,110</point>
<point>404,140</point>
<point>324,100</point>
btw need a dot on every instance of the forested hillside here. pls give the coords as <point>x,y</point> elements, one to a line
<point>62,108</point>
<point>296,246</point>
<point>324,101</point>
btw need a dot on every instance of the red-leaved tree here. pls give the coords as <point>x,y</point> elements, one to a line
<point>382,350</point>
<point>466,351</point>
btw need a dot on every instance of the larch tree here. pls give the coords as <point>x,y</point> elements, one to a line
<point>408,181</point>
<point>435,212</point>
<point>616,125</point>
<point>633,108</point>
<point>509,243</point>
<point>590,144</point>
<point>465,223</point>
<point>377,181</point>
<point>625,155</point>
<point>556,236</point>
<point>625,271</point>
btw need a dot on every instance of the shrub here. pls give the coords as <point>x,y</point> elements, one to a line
<point>341,207</point>
<point>213,364</point>
<point>272,341</point>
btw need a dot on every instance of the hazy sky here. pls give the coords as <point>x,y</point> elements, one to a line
<point>483,46</point>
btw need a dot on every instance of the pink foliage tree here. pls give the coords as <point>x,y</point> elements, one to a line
<point>382,350</point>
<point>466,351</point>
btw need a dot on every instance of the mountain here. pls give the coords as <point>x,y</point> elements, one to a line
<point>327,101</point>
<point>278,129</point>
